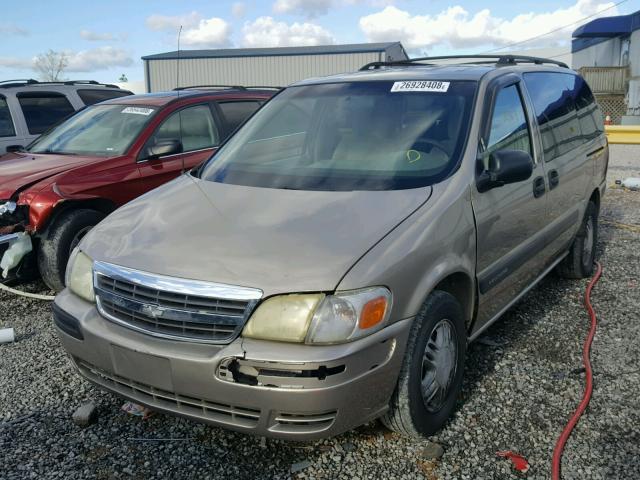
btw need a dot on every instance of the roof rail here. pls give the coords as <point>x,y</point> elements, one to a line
<point>17,82</point>
<point>86,82</point>
<point>498,60</point>
<point>228,87</point>
<point>263,87</point>
<point>30,81</point>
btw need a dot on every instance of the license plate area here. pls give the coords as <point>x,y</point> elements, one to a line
<point>142,367</point>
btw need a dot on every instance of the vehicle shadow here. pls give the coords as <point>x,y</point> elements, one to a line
<point>513,329</point>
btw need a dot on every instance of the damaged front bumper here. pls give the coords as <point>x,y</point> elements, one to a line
<point>282,390</point>
<point>15,243</point>
<point>13,248</point>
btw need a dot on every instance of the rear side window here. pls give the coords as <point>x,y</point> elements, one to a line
<point>6,123</point>
<point>589,114</point>
<point>89,97</point>
<point>43,110</point>
<point>509,129</point>
<point>554,100</point>
<point>236,112</point>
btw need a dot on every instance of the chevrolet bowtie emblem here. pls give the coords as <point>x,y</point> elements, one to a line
<point>152,311</point>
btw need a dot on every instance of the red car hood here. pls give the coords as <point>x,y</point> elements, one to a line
<point>22,169</point>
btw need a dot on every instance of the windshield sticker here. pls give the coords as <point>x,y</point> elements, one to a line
<point>138,110</point>
<point>420,86</point>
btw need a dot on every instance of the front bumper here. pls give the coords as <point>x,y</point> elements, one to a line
<point>272,389</point>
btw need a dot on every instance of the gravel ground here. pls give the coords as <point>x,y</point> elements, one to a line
<point>523,380</point>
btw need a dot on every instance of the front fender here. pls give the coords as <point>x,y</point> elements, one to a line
<point>437,241</point>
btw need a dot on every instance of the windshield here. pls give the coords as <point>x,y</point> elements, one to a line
<point>350,136</point>
<point>100,130</point>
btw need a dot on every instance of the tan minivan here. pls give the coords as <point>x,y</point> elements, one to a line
<point>329,265</point>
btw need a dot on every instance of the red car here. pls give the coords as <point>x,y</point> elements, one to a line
<point>74,175</point>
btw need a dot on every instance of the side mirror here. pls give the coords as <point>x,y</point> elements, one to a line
<point>15,148</point>
<point>505,166</point>
<point>164,148</point>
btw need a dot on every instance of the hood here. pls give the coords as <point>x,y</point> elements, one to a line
<point>275,240</point>
<point>21,169</point>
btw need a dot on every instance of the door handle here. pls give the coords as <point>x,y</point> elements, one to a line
<point>554,179</point>
<point>538,187</point>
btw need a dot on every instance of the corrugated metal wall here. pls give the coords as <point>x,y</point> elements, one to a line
<point>264,71</point>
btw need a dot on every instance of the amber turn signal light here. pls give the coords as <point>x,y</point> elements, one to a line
<point>373,312</point>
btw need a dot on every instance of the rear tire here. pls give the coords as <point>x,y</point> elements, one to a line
<point>579,262</point>
<point>431,375</point>
<point>63,236</point>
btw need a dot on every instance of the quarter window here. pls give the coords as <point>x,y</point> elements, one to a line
<point>237,112</point>
<point>6,123</point>
<point>43,110</point>
<point>509,129</point>
<point>193,126</point>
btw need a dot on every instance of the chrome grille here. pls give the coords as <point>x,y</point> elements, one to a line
<point>169,307</point>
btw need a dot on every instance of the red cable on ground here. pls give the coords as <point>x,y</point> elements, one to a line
<point>564,436</point>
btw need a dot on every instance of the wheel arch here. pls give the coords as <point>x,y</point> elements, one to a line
<point>455,280</point>
<point>99,204</point>
<point>462,287</point>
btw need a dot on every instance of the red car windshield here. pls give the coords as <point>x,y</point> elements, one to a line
<point>100,130</point>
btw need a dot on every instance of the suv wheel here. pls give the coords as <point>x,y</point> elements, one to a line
<point>63,236</point>
<point>431,375</point>
<point>579,262</point>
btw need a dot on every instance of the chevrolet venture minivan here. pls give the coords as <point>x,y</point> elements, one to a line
<point>329,265</point>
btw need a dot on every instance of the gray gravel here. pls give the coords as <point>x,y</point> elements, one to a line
<point>522,382</point>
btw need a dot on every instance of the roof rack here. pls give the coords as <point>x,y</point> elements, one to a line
<point>228,87</point>
<point>17,82</point>
<point>30,81</point>
<point>498,60</point>
<point>85,82</point>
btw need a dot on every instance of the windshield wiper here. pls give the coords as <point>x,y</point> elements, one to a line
<point>56,152</point>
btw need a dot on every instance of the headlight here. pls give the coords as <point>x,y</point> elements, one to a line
<point>346,316</point>
<point>284,318</point>
<point>320,319</point>
<point>79,276</point>
<point>8,207</point>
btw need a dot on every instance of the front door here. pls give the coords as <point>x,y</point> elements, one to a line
<point>509,219</point>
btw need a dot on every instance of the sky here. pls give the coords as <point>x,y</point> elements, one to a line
<point>104,40</point>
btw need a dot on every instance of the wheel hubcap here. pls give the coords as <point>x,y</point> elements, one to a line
<point>587,245</point>
<point>439,365</point>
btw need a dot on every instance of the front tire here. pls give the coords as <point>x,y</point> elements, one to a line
<point>579,262</point>
<point>431,375</point>
<point>62,238</point>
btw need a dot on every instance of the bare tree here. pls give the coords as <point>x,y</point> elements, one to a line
<point>50,65</point>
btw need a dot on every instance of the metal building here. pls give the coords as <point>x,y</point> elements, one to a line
<point>261,66</point>
<point>607,53</point>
